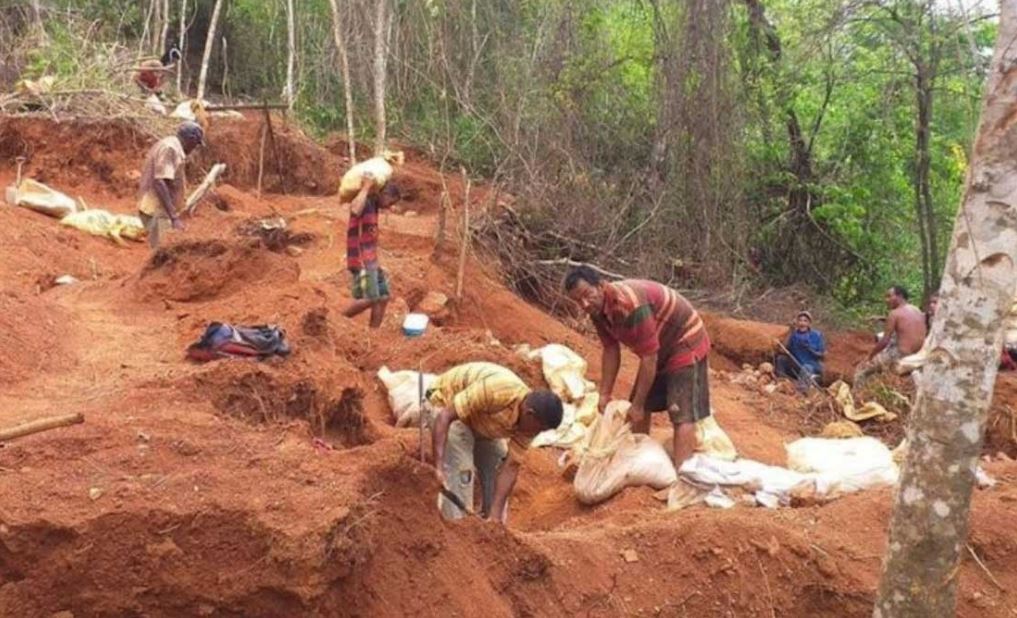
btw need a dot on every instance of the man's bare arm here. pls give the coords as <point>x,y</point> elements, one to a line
<point>644,381</point>
<point>610,360</point>
<point>503,485</point>
<point>358,203</point>
<point>165,194</point>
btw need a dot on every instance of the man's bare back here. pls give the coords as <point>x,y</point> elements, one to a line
<point>908,323</point>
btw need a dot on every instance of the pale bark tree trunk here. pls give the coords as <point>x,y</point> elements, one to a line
<point>209,43</point>
<point>288,93</point>
<point>146,33</point>
<point>164,31</point>
<point>183,45</point>
<point>924,83</point>
<point>930,517</point>
<point>344,60</point>
<point>382,27</point>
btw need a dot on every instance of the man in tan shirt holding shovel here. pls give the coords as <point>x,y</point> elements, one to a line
<point>162,180</point>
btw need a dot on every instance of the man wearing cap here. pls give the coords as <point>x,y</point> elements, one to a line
<point>807,350</point>
<point>162,180</point>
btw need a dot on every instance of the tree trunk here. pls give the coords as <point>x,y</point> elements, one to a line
<point>164,31</point>
<point>930,517</point>
<point>923,190</point>
<point>340,44</point>
<point>209,43</point>
<point>146,32</point>
<point>182,35</point>
<point>382,24</point>
<point>288,93</point>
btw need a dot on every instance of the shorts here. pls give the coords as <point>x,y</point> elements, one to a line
<point>153,225</point>
<point>684,393</point>
<point>369,284</point>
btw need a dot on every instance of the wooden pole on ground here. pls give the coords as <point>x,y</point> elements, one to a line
<point>420,407</point>
<point>465,243</point>
<point>42,424</point>
<point>261,157</point>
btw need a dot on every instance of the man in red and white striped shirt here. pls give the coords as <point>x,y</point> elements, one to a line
<point>668,335</point>
<point>370,284</point>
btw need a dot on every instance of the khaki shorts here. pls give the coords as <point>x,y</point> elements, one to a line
<point>154,226</point>
<point>369,284</point>
<point>886,359</point>
<point>684,394</point>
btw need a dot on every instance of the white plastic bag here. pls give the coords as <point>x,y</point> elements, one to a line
<point>404,394</point>
<point>42,199</point>
<point>613,458</point>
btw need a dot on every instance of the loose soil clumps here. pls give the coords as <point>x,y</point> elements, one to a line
<point>198,270</point>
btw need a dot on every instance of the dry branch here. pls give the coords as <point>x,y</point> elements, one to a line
<point>206,185</point>
<point>39,425</point>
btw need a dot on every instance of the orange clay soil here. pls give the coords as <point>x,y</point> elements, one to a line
<point>198,490</point>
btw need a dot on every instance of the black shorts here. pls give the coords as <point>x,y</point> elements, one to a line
<point>684,394</point>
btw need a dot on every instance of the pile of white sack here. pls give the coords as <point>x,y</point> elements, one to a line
<point>565,374</point>
<point>817,469</point>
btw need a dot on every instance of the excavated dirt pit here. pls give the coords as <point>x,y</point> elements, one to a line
<point>199,490</point>
<point>260,393</point>
<point>206,269</point>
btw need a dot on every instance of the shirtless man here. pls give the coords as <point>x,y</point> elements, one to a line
<point>903,336</point>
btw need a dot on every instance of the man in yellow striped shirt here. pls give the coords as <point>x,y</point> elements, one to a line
<point>476,408</point>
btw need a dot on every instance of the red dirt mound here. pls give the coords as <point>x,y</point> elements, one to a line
<point>79,154</point>
<point>742,341</point>
<point>104,156</point>
<point>292,162</point>
<point>269,392</point>
<point>207,269</point>
<point>32,330</point>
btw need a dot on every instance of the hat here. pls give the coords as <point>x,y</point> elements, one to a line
<point>191,130</point>
<point>805,313</point>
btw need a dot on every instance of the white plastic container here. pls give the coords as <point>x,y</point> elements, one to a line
<point>415,324</point>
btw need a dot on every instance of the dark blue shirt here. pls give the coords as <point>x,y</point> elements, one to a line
<point>803,346</point>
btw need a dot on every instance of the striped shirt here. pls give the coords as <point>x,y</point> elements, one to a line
<point>648,318</point>
<point>487,398</point>
<point>362,237</point>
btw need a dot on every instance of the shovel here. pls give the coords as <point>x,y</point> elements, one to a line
<point>802,370</point>
<point>11,192</point>
<point>454,499</point>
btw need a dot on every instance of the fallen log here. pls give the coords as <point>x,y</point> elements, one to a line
<point>245,106</point>
<point>42,424</point>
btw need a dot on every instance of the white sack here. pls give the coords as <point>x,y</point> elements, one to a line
<point>42,199</point>
<point>404,394</point>
<point>613,458</point>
